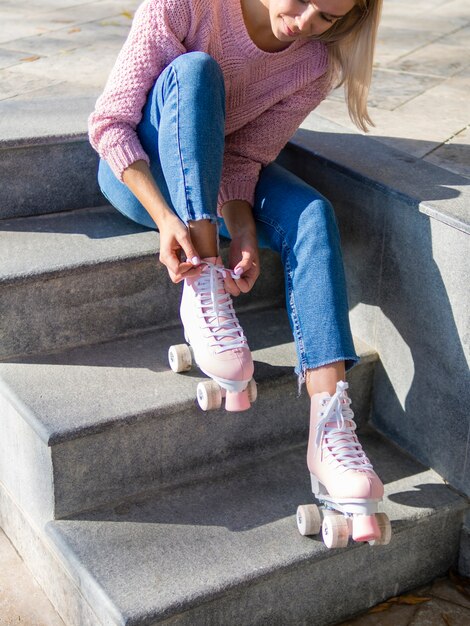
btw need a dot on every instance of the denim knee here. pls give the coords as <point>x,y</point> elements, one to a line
<point>299,223</point>
<point>201,66</point>
<point>317,226</point>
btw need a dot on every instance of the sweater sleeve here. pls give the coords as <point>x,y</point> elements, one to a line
<point>259,142</point>
<point>155,40</point>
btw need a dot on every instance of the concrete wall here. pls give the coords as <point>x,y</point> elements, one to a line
<point>408,288</point>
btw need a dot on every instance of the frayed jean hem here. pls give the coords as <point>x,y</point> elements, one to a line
<point>301,371</point>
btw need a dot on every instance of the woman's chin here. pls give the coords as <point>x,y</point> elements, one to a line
<point>284,37</point>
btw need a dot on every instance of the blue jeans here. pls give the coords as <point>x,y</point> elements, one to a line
<point>182,131</point>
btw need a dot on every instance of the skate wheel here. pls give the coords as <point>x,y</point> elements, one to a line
<point>385,530</point>
<point>308,519</point>
<point>252,391</point>
<point>209,396</point>
<point>179,358</point>
<point>335,531</point>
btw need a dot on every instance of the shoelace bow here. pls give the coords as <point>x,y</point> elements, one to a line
<point>217,310</point>
<point>336,429</point>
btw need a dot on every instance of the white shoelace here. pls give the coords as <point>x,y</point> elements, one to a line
<point>216,309</point>
<point>336,431</point>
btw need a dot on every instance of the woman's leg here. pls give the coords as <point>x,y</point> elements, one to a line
<point>296,221</point>
<point>299,223</point>
<point>182,131</point>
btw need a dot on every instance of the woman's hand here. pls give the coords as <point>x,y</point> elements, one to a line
<point>244,260</point>
<point>174,235</point>
<point>244,252</point>
<point>175,241</point>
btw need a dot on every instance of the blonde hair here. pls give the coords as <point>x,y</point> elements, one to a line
<point>351,44</point>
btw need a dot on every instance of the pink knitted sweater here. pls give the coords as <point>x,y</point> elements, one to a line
<point>268,94</point>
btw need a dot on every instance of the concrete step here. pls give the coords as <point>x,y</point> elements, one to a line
<point>90,425</point>
<point>57,166</point>
<point>89,275</point>
<point>227,551</point>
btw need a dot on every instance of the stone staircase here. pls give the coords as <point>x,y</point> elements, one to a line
<point>129,504</point>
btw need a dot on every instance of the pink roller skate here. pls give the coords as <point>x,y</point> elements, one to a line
<point>343,480</point>
<point>216,342</point>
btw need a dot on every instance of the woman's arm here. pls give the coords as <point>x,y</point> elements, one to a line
<point>154,41</point>
<point>246,151</point>
<point>174,235</point>
<point>140,181</point>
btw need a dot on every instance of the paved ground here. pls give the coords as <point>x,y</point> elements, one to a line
<point>446,602</point>
<point>419,97</point>
<point>22,601</point>
<point>419,101</point>
<point>64,49</point>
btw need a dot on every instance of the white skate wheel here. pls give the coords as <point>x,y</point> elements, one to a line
<point>335,531</point>
<point>385,530</point>
<point>179,358</point>
<point>308,519</point>
<point>252,391</point>
<point>209,396</point>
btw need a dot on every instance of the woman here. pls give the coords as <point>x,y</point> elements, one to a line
<point>203,97</point>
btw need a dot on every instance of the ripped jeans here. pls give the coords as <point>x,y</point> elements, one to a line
<point>182,131</point>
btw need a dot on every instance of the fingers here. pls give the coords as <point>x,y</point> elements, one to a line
<point>184,270</point>
<point>245,284</point>
<point>174,243</point>
<point>231,285</point>
<point>177,269</point>
<point>188,249</point>
<point>248,271</point>
<point>244,265</point>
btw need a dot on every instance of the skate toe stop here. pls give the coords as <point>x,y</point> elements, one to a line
<point>365,528</point>
<point>237,401</point>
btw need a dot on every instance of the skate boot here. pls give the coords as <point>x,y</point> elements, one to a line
<point>343,479</point>
<point>216,341</point>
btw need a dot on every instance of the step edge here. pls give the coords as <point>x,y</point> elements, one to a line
<point>72,568</point>
<point>144,254</point>
<point>25,411</point>
<point>52,438</point>
<point>48,273</point>
<point>271,572</point>
<point>74,268</point>
<point>342,162</point>
<point>43,140</point>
